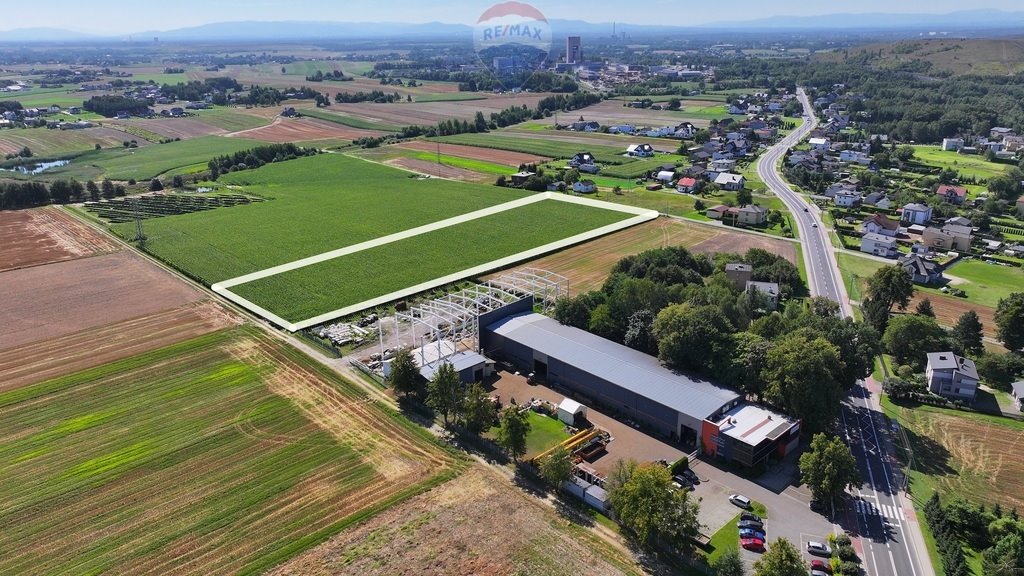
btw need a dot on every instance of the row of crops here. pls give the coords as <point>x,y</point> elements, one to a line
<point>158,206</point>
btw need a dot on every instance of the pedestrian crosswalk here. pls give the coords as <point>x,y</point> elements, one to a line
<point>891,512</point>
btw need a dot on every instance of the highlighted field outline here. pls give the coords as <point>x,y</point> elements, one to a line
<point>640,215</point>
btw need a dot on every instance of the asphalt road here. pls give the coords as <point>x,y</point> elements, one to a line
<point>882,517</point>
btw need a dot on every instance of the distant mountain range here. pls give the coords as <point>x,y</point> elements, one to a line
<point>297,30</point>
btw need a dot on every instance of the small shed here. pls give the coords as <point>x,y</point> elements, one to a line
<point>570,412</point>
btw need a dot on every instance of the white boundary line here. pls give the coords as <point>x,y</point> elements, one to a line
<point>640,215</point>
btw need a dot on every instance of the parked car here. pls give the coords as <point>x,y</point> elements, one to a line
<point>819,573</point>
<point>821,566</point>
<point>750,524</point>
<point>818,506</point>
<point>751,533</point>
<point>691,476</point>
<point>750,516</point>
<point>740,500</point>
<point>752,544</point>
<point>818,549</point>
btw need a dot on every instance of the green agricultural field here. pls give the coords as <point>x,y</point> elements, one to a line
<point>49,143</point>
<point>448,97</point>
<point>150,161</point>
<point>317,204</point>
<point>985,283</point>
<point>350,121</point>
<point>334,284</point>
<point>480,166</point>
<point>204,457</point>
<point>230,119</point>
<point>540,147</point>
<point>63,97</point>
<point>856,271</point>
<point>970,166</point>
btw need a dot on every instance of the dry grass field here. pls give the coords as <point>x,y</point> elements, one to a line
<point>474,153</point>
<point>948,310</point>
<point>476,524</point>
<point>33,237</point>
<point>432,169</point>
<point>303,129</point>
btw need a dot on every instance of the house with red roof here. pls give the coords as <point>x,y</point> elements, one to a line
<point>952,194</point>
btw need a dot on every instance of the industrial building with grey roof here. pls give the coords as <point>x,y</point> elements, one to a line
<point>598,370</point>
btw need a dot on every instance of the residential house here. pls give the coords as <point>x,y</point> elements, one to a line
<point>920,269</point>
<point>917,214</point>
<point>731,182</point>
<point>959,221</point>
<point>769,289</point>
<point>686,131</point>
<point>582,158</point>
<point>949,237</point>
<point>289,112</point>
<point>952,376</point>
<point>751,215</point>
<point>640,150</point>
<point>79,125</point>
<point>872,198</point>
<point>1017,391</point>
<point>952,144</point>
<point>723,165</point>
<point>884,204</point>
<point>665,176</point>
<point>879,245</point>
<point>686,185</point>
<point>177,112</point>
<point>854,157</point>
<point>881,225</point>
<point>589,168</point>
<point>952,194</point>
<point>622,129</point>
<point>519,178</point>
<point>847,199</point>
<point>720,212</point>
<point>821,144</point>
<point>739,273</point>
<point>584,187</point>
<point>999,133</point>
<point>585,126</point>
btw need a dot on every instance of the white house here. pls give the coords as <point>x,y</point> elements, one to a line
<point>769,289</point>
<point>723,165</point>
<point>952,376</point>
<point>847,199</point>
<point>584,187</point>
<point>952,144</point>
<point>917,214</point>
<point>821,144</point>
<point>854,157</point>
<point>1018,393</point>
<point>665,177</point>
<point>640,150</point>
<point>686,185</point>
<point>729,181</point>
<point>881,225</point>
<point>879,245</point>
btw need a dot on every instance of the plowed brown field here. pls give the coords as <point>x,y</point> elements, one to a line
<point>948,310</point>
<point>304,129</point>
<point>486,154</point>
<point>67,297</point>
<point>31,237</point>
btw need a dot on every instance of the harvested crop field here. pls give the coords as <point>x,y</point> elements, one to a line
<point>475,524</point>
<point>33,237</point>
<point>67,297</point>
<point>224,454</point>
<point>430,113</point>
<point>486,154</point>
<point>437,170</point>
<point>53,357</point>
<point>588,265</point>
<point>948,310</point>
<point>176,127</point>
<point>45,142</point>
<point>304,129</point>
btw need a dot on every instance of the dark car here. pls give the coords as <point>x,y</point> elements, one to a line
<point>750,516</point>
<point>691,476</point>
<point>750,524</point>
<point>682,481</point>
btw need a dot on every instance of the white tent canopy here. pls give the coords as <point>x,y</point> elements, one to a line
<point>568,409</point>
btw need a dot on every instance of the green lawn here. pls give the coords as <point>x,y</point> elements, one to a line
<point>306,292</point>
<point>970,166</point>
<point>350,121</point>
<point>317,204</point>
<point>987,283</point>
<point>727,538</point>
<point>545,432</point>
<point>37,98</point>
<point>856,271</point>
<point>191,443</point>
<point>149,161</point>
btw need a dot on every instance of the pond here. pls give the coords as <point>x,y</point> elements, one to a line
<point>37,168</point>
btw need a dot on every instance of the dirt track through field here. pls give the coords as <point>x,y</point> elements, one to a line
<point>39,236</point>
<point>45,302</point>
<point>283,130</point>
<point>53,357</point>
<point>472,152</point>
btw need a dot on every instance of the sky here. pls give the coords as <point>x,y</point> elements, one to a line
<point>118,17</point>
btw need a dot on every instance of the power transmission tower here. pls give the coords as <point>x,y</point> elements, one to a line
<point>140,234</point>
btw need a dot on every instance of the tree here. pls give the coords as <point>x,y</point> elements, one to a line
<point>829,468</point>
<point>445,392</point>
<point>910,338</point>
<point>781,559</point>
<point>108,189</point>
<point>177,181</point>
<point>1000,370</point>
<point>405,376</point>
<point>639,335</point>
<point>730,564</point>
<point>556,467</point>
<point>155,185</point>
<point>674,104</point>
<point>60,191</point>
<point>696,337</point>
<point>1010,321</point>
<point>966,335</point>
<point>515,425</point>
<point>892,286</point>
<point>479,122</point>
<point>1006,558</point>
<point>651,508</point>
<point>93,190</point>
<point>478,411</point>
<point>924,308</point>
<point>744,197</point>
<point>876,314</point>
<point>801,376</point>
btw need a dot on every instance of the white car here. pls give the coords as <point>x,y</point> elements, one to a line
<point>740,500</point>
<point>818,549</point>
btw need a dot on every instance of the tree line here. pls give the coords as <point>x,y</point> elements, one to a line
<point>256,157</point>
<point>377,96</point>
<point>15,195</point>
<point>109,105</point>
<point>197,90</point>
